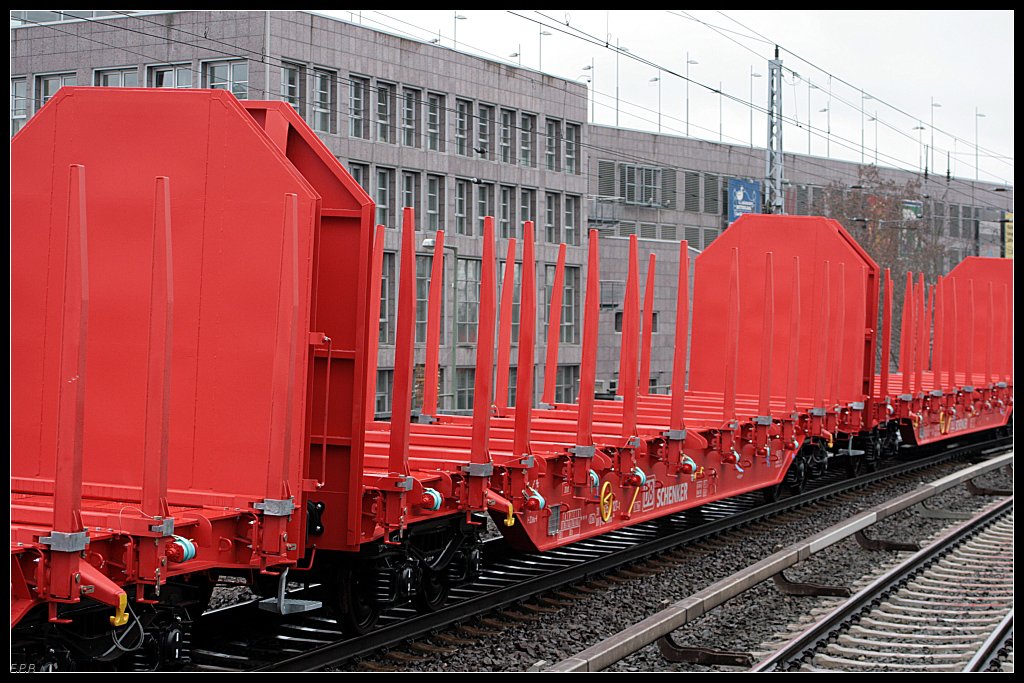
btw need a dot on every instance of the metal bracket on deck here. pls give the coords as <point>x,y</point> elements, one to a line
<point>283,605</point>
<point>272,507</point>
<point>545,406</point>
<point>817,412</point>
<point>164,527</point>
<point>425,419</point>
<point>787,587</point>
<point>765,420</point>
<point>675,435</point>
<point>906,397</point>
<point>478,469</point>
<point>63,542</point>
<point>1001,385</point>
<point>968,389</point>
<point>868,543</point>
<point>674,652</point>
<point>633,442</point>
<point>527,461</point>
<point>583,451</point>
<point>937,393</point>
<point>857,405</point>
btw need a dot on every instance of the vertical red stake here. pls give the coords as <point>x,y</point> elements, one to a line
<point>630,337</point>
<point>285,361</point>
<point>645,345</point>
<point>1006,366</point>
<point>929,361</point>
<point>675,418</point>
<point>837,354</point>
<point>505,332</point>
<point>373,324</point>
<point>732,337</point>
<point>484,349</point>
<point>67,489</point>
<point>405,334</point>
<point>554,330</point>
<point>991,335</point>
<point>862,392</point>
<point>954,325</point>
<point>940,333</point>
<point>158,385</point>
<point>588,373</point>
<point>906,334</point>
<point>527,332</point>
<point>886,335</point>
<point>923,337</point>
<point>824,325</point>
<point>794,339</point>
<point>433,328</point>
<point>767,331</point>
<point>971,322</point>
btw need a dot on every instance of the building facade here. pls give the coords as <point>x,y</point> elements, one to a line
<point>457,138</point>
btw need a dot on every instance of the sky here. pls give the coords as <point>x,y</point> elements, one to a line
<point>894,63</point>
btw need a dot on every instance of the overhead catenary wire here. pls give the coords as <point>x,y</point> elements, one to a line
<point>237,52</point>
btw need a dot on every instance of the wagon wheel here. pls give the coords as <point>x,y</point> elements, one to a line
<point>796,476</point>
<point>353,599</point>
<point>432,591</point>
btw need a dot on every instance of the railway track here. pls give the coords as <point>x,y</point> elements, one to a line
<point>258,642</point>
<point>949,607</point>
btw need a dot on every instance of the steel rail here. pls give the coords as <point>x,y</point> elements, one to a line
<point>807,642</point>
<point>989,650</point>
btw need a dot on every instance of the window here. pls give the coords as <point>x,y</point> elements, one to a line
<point>118,78</point>
<point>462,127</point>
<point>572,220</point>
<point>464,380</point>
<point>361,174</point>
<point>19,103</point>
<point>640,184</point>
<point>324,101</point>
<point>385,189</point>
<point>506,227</point>
<point>411,195</point>
<point>230,76</point>
<point>485,129</point>
<point>571,306</point>
<point>711,195</point>
<point>49,85</point>
<point>567,379</point>
<point>173,76</point>
<point>552,232</point>
<point>527,208</point>
<point>512,376</point>
<point>484,205</point>
<point>691,190</point>
<point>410,118</point>
<point>423,266</point>
<point>461,207</point>
<point>387,299</point>
<point>618,321</point>
<point>527,130</point>
<point>435,122</point>
<point>467,288</point>
<point>357,107</point>
<point>292,86</point>
<point>516,274</point>
<point>435,194</point>
<point>506,136</point>
<point>551,145</point>
<point>385,112</point>
<point>572,138</point>
<point>385,382</point>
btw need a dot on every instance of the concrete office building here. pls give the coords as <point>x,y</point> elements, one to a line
<point>458,137</point>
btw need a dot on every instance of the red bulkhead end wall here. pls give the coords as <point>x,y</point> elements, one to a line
<point>814,240</point>
<point>341,269</point>
<point>982,270</point>
<point>233,273</point>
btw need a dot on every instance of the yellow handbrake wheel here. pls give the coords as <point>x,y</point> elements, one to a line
<point>607,501</point>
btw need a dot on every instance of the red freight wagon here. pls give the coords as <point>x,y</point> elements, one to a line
<point>194,325</point>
